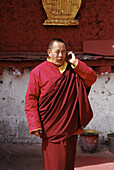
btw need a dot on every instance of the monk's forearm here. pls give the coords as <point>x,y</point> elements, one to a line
<point>86,73</point>
<point>32,114</point>
<point>31,106</point>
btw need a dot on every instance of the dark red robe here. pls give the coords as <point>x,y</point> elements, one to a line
<point>41,78</point>
<point>65,107</point>
<point>58,103</point>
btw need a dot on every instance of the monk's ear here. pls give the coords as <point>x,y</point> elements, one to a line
<point>48,51</point>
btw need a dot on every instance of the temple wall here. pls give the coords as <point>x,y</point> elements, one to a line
<point>22,32</point>
<point>22,28</point>
<point>13,123</point>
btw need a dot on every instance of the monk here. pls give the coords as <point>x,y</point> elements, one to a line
<point>57,105</point>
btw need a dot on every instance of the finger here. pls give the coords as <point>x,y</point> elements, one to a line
<point>69,56</point>
<point>40,133</point>
<point>72,58</point>
<point>36,134</point>
<point>70,52</point>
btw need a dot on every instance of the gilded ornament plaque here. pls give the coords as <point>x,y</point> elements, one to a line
<point>61,12</point>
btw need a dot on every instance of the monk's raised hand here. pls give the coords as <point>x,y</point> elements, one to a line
<point>72,58</point>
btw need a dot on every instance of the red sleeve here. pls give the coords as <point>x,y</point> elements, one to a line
<point>31,107</point>
<point>86,73</point>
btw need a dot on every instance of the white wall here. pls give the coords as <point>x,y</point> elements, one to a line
<point>13,123</point>
<point>102,102</point>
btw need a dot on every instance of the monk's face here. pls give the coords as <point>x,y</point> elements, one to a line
<point>57,53</point>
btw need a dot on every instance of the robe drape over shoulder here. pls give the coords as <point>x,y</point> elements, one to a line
<point>65,107</point>
<point>58,103</point>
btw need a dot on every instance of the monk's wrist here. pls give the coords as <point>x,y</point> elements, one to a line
<point>75,63</point>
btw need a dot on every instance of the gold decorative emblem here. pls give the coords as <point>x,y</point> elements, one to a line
<point>61,12</point>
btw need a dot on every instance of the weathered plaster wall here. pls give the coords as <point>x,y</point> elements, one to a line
<point>13,123</point>
<point>102,101</point>
<point>22,30</point>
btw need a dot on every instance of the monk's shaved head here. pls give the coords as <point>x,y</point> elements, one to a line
<point>55,40</point>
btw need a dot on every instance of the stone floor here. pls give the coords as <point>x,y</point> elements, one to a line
<point>29,157</point>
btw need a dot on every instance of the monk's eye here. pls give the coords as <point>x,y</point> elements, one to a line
<point>57,52</point>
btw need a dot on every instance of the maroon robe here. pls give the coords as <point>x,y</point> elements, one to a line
<point>61,102</point>
<point>61,155</point>
<point>65,107</point>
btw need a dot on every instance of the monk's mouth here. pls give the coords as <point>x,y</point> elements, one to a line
<point>60,59</point>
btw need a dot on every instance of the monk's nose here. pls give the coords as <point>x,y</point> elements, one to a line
<point>60,54</point>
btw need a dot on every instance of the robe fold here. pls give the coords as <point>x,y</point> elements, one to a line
<point>64,107</point>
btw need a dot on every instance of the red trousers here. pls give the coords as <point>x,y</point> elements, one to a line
<point>61,155</point>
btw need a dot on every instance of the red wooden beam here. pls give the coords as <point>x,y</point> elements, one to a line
<point>100,65</point>
<point>0,71</point>
<point>103,69</point>
<point>99,47</point>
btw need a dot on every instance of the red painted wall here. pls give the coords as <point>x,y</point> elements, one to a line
<point>21,25</point>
